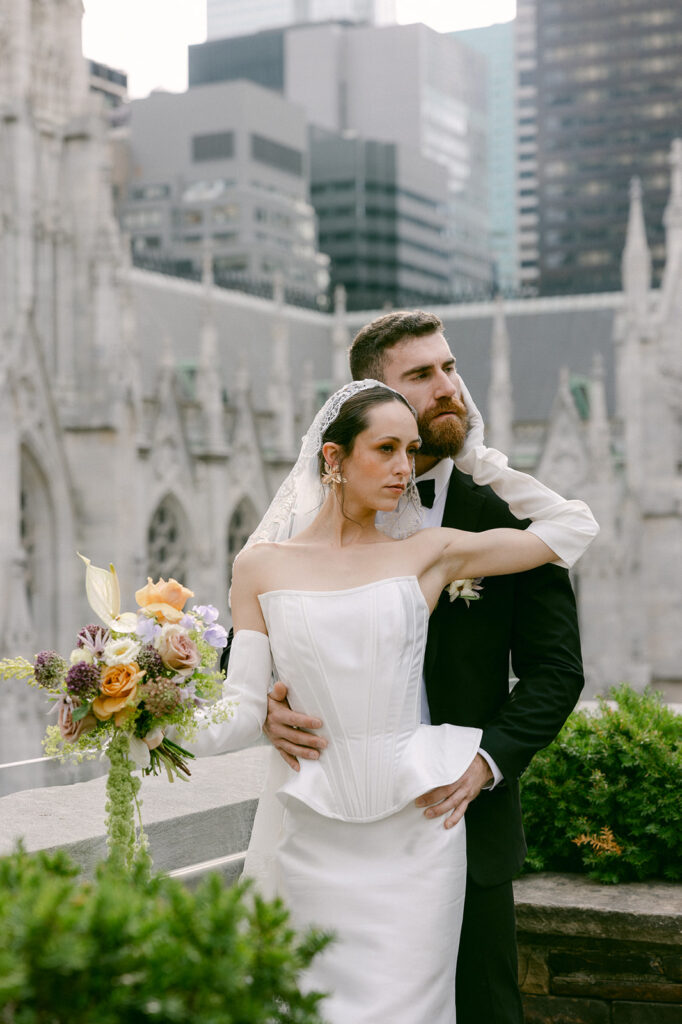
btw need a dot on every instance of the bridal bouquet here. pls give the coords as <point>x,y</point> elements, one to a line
<point>126,680</point>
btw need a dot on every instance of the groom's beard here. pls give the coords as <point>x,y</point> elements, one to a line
<point>444,437</point>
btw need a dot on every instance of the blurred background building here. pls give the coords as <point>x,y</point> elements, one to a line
<point>496,44</point>
<point>108,82</point>
<point>599,97</point>
<point>240,17</point>
<point>225,166</point>
<point>352,79</point>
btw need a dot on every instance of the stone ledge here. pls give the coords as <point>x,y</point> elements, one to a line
<point>564,905</point>
<point>187,822</point>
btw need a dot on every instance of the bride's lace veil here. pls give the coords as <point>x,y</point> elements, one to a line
<point>302,494</point>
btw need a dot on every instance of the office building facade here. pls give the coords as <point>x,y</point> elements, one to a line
<point>599,94</point>
<point>381,213</point>
<point>496,44</point>
<point>241,17</point>
<point>222,166</point>
<point>352,78</point>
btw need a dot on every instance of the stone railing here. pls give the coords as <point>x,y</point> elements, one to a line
<point>588,954</point>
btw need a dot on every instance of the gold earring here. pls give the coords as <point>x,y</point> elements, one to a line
<point>332,475</point>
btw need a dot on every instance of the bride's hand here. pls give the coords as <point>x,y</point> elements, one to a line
<point>288,732</point>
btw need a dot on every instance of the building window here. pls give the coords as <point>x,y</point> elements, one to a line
<point>38,544</point>
<point>167,542</point>
<point>217,146</point>
<point>274,154</point>
<point>243,522</point>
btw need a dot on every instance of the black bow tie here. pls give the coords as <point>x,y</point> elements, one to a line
<point>427,492</point>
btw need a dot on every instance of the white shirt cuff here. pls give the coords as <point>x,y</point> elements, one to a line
<point>497,774</point>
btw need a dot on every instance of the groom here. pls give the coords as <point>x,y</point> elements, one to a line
<point>529,618</point>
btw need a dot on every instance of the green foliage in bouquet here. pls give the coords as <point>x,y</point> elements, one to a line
<point>604,798</point>
<point>129,948</point>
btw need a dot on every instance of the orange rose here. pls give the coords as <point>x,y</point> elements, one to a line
<point>118,690</point>
<point>163,599</point>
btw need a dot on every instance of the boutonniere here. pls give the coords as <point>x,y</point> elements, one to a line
<point>469,589</point>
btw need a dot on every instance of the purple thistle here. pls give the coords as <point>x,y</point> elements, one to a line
<point>150,661</point>
<point>93,638</point>
<point>82,680</point>
<point>49,670</point>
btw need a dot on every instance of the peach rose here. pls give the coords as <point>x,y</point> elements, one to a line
<point>118,690</point>
<point>176,649</point>
<point>164,599</point>
<point>70,730</point>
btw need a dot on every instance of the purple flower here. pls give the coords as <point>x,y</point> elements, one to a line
<point>82,680</point>
<point>147,628</point>
<point>216,636</point>
<point>49,670</point>
<point>208,612</point>
<point>150,661</point>
<point>188,622</point>
<point>93,638</point>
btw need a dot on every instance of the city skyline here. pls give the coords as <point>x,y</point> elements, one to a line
<point>125,35</point>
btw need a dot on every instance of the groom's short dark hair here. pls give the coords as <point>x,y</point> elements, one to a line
<point>369,344</point>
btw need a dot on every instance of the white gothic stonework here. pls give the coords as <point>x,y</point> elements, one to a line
<point>147,421</point>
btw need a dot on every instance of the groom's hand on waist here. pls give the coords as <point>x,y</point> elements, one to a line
<point>454,799</point>
<point>288,730</point>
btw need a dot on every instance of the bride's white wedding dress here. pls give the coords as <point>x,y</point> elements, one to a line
<point>352,853</point>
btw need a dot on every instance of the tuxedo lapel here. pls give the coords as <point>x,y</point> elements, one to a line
<point>463,510</point>
<point>464,503</point>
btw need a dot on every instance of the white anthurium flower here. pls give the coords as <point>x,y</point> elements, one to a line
<point>138,751</point>
<point>104,597</point>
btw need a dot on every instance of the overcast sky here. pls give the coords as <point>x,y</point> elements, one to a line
<point>148,38</point>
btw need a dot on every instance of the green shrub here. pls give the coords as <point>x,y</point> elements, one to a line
<point>126,949</point>
<point>606,796</point>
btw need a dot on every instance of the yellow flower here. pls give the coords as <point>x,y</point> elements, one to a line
<point>164,599</point>
<point>118,691</point>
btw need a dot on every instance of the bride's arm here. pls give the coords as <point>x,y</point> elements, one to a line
<point>249,674</point>
<point>560,531</point>
<point>567,527</point>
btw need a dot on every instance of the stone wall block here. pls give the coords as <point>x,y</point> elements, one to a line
<point>556,1010</point>
<point>671,967</point>
<point>533,971</point>
<point>625,988</point>
<point>646,1013</point>
<point>614,961</point>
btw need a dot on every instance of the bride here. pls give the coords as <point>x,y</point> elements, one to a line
<point>336,599</point>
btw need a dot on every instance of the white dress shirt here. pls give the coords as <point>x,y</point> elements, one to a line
<point>440,474</point>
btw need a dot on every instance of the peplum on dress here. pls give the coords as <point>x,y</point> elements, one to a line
<point>348,851</point>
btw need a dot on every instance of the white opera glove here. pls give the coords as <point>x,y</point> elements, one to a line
<point>567,527</point>
<point>475,429</point>
<point>246,688</point>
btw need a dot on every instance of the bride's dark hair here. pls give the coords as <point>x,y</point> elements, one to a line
<point>353,418</point>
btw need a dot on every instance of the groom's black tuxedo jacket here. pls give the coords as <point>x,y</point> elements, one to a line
<point>532,617</point>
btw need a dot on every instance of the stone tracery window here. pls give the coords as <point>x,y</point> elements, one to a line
<point>37,536</point>
<point>167,541</point>
<point>243,522</point>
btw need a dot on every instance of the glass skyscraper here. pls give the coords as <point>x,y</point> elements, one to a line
<point>241,17</point>
<point>599,98</point>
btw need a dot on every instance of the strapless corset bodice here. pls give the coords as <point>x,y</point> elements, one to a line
<point>354,659</point>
